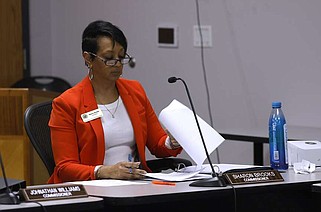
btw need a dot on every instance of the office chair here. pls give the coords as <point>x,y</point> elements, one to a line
<point>36,118</point>
<point>46,83</point>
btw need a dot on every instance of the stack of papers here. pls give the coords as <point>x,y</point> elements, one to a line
<point>108,182</point>
<point>196,172</point>
<point>178,176</point>
<point>219,168</point>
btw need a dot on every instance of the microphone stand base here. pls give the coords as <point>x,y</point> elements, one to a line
<point>9,199</point>
<point>211,182</point>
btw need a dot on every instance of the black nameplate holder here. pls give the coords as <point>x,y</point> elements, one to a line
<point>53,192</point>
<point>252,175</point>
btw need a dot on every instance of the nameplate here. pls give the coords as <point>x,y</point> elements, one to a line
<point>258,176</point>
<point>53,192</point>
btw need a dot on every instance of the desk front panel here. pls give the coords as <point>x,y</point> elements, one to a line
<point>294,194</point>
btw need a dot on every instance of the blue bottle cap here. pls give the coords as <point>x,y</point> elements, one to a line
<point>276,104</point>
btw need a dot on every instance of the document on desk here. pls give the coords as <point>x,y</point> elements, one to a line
<point>180,122</point>
<point>206,168</point>
<point>178,176</point>
<point>107,183</point>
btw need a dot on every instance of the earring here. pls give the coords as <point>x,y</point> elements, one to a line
<point>90,72</point>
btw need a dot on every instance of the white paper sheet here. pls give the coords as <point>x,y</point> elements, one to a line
<point>206,168</point>
<point>180,122</point>
<point>178,176</point>
<point>110,182</point>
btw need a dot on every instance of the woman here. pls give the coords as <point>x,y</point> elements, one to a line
<point>101,126</point>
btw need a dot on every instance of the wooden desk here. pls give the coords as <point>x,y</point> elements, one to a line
<point>20,159</point>
<point>294,194</point>
<point>260,135</point>
<point>180,197</point>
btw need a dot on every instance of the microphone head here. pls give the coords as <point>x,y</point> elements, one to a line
<point>172,79</point>
<point>132,62</point>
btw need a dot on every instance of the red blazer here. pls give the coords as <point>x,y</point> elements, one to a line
<point>78,146</point>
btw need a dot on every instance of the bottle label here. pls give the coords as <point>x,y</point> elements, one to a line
<point>278,145</point>
<point>276,155</point>
<point>285,129</point>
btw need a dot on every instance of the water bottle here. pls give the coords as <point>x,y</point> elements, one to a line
<point>278,138</point>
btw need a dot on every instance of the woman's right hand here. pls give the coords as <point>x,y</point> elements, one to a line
<point>121,171</point>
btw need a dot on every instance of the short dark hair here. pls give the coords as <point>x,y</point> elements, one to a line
<point>98,29</point>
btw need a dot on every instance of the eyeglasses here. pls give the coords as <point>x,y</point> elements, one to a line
<point>113,62</point>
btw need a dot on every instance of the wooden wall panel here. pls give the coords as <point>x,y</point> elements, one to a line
<point>20,159</point>
<point>11,54</point>
<point>12,123</point>
<point>14,158</point>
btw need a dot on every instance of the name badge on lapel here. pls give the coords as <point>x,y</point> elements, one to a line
<point>91,115</point>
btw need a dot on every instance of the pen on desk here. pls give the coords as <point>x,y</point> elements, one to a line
<point>157,182</point>
<point>130,158</point>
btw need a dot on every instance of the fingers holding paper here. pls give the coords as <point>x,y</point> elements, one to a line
<point>172,141</point>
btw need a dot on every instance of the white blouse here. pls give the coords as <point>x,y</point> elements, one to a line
<point>118,133</point>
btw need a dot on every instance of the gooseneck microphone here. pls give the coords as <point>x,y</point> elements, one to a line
<point>215,181</point>
<point>8,197</point>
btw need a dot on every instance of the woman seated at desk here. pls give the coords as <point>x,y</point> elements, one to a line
<point>101,126</point>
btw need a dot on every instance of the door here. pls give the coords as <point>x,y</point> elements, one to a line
<point>11,43</point>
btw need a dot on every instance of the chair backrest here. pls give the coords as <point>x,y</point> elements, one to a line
<point>46,83</point>
<point>36,118</point>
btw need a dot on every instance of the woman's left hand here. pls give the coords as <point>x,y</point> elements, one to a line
<point>121,171</point>
<point>173,143</point>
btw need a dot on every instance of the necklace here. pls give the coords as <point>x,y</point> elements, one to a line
<point>112,114</point>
